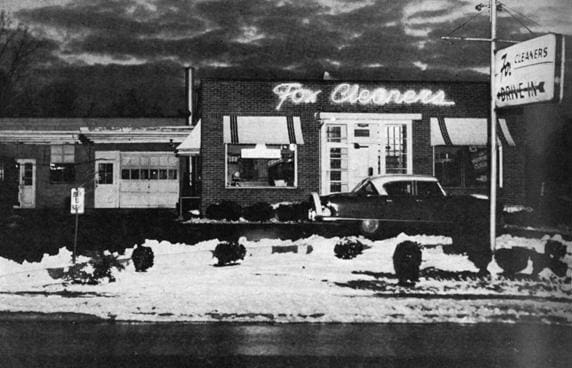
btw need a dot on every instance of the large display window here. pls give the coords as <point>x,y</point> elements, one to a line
<point>462,166</point>
<point>261,166</point>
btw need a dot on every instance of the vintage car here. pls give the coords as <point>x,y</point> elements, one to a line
<point>410,203</point>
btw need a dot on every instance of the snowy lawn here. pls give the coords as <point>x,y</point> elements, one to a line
<point>309,286</point>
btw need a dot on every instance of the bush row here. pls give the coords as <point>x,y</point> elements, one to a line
<point>260,211</point>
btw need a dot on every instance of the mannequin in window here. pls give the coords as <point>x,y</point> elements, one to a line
<point>235,179</point>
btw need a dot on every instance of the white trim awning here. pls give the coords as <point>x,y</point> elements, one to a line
<point>262,129</point>
<point>467,132</point>
<point>191,145</point>
<point>366,116</point>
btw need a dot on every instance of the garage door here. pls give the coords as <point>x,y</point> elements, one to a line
<point>149,180</point>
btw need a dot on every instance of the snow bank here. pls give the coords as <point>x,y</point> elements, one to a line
<point>311,285</point>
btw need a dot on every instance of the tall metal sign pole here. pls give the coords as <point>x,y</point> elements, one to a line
<point>494,153</point>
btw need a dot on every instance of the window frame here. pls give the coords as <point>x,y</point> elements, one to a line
<point>62,164</point>
<point>227,184</point>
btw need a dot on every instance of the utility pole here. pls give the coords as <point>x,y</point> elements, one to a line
<point>494,153</point>
<point>493,115</point>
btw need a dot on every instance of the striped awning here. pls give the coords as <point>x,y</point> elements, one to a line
<point>262,129</point>
<point>467,132</point>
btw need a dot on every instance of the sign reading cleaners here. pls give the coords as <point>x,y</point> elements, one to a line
<point>530,71</point>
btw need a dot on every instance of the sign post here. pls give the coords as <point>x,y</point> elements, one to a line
<point>77,207</point>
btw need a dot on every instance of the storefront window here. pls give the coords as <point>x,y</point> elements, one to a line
<point>261,165</point>
<point>461,166</point>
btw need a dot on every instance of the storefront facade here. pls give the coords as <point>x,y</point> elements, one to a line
<point>278,141</point>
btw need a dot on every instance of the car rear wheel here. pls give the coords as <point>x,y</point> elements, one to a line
<point>369,227</point>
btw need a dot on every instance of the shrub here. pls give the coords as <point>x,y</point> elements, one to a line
<point>260,211</point>
<point>512,260</point>
<point>285,212</point>
<point>93,272</point>
<point>143,258</point>
<point>226,210</point>
<point>293,212</point>
<point>229,253</point>
<point>348,248</point>
<point>406,262</point>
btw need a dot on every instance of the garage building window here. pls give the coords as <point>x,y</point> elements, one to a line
<point>62,164</point>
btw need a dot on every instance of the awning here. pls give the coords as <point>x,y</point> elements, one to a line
<point>466,132</point>
<point>262,129</point>
<point>192,144</point>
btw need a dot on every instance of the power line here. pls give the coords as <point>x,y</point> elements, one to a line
<point>509,12</point>
<point>462,25</point>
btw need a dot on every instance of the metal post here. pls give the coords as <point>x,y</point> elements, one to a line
<point>76,231</point>
<point>494,159</point>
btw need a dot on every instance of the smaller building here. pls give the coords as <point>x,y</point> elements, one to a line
<point>121,163</point>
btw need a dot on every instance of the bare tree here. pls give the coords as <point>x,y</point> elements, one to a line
<point>17,49</point>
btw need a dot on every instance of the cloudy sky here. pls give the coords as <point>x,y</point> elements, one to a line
<point>266,38</point>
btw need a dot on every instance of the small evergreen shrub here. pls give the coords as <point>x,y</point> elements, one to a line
<point>225,210</point>
<point>285,212</point>
<point>229,252</point>
<point>93,272</point>
<point>512,260</point>
<point>142,258</point>
<point>293,212</point>
<point>260,211</point>
<point>348,248</point>
<point>406,262</point>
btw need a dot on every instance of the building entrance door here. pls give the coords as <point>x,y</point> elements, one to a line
<point>27,183</point>
<point>107,179</point>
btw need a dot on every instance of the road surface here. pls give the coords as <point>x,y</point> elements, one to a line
<point>70,342</point>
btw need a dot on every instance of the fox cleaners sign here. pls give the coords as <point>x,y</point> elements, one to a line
<point>354,94</point>
<point>530,71</point>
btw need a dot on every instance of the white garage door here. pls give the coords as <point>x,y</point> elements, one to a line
<point>149,180</point>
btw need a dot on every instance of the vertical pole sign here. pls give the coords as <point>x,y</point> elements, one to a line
<point>77,208</point>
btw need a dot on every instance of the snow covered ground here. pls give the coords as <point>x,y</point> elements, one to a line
<point>309,286</point>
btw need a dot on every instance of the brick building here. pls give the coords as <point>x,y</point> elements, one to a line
<point>277,141</point>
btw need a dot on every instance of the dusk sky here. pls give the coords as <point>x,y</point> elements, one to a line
<point>383,39</point>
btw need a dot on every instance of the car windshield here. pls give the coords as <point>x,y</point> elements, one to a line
<point>361,184</point>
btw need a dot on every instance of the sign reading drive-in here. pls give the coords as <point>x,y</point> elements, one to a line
<point>531,71</point>
<point>77,200</point>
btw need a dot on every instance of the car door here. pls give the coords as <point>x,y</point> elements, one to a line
<point>431,202</point>
<point>369,204</point>
<point>401,202</point>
